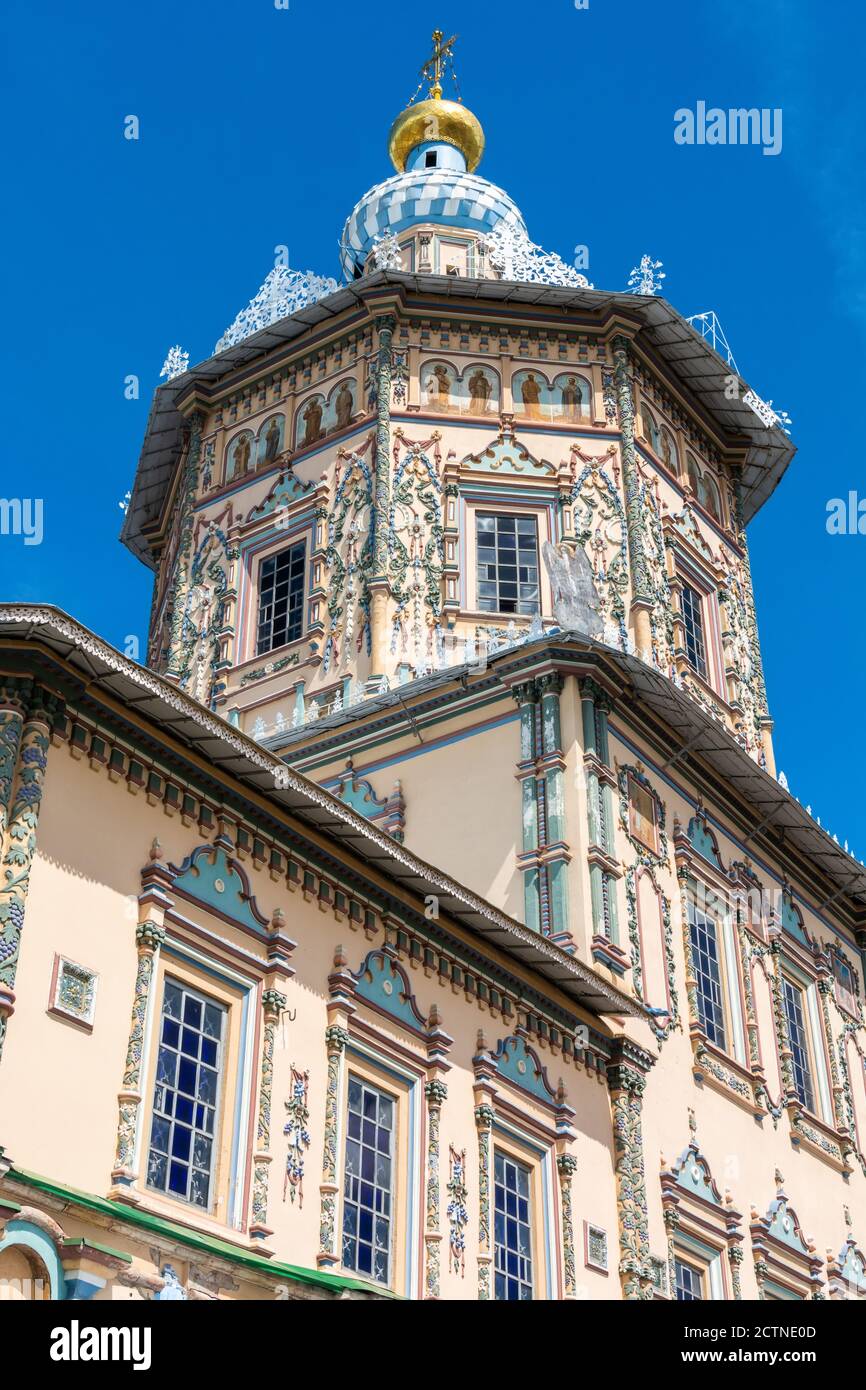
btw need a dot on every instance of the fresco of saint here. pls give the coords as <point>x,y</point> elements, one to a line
<point>438,388</point>
<point>572,399</point>
<point>272,440</point>
<point>312,418</point>
<point>480,392</point>
<point>344,406</point>
<point>531,393</point>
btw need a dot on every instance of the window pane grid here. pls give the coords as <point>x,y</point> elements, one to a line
<point>189,1060</point>
<point>281,599</point>
<point>512,1233</point>
<point>705,963</point>
<point>507,559</point>
<point>793,998</point>
<point>368,1186</point>
<point>693,622</point>
<point>689,1282</point>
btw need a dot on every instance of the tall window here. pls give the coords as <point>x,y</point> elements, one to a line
<point>507,564</point>
<point>512,1233</point>
<point>693,621</point>
<point>281,599</point>
<point>368,1190</point>
<point>188,1067</point>
<point>798,1040</point>
<point>705,963</point>
<point>689,1282</point>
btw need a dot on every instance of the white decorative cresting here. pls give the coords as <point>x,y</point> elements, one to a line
<point>176,363</point>
<point>647,277</point>
<point>284,292</point>
<point>510,252</point>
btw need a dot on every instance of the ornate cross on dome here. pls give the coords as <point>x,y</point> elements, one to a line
<point>432,69</point>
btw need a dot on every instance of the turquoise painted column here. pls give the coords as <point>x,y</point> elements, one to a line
<point>595,706</point>
<point>553,763</point>
<point>526,696</point>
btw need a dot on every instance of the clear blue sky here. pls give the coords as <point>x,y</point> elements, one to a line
<point>262,126</point>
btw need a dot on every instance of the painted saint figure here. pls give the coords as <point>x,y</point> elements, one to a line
<point>480,392</point>
<point>312,418</point>
<point>531,393</point>
<point>438,389</point>
<point>241,460</point>
<point>272,440</point>
<point>572,399</point>
<point>344,406</point>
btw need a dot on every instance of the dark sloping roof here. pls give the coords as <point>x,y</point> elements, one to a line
<point>105,670</point>
<point>699,735</point>
<point>680,347</point>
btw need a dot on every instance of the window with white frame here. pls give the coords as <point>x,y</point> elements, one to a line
<point>794,1002</point>
<point>281,598</point>
<point>689,1282</point>
<point>706,966</point>
<point>368,1190</point>
<point>181,1156</point>
<point>507,560</point>
<point>693,627</point>
<point>512,1228</point>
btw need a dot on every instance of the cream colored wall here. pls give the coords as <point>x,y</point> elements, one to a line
<point>743,1152</point>
<point>462,799</point>
<point>59,1085</point>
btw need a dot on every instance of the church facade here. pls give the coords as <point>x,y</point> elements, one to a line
<point>426,919</point>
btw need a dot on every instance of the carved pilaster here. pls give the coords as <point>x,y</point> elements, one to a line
<point>336,1039</point>
<point>627,1079</point>
<point>735,1259</point>
<point>149,936</point>
<point>379,587</point>
<point>24,741</point>
<point>273,1004</point>
<point>436,1093</point>
<point>184,520</point>
<point>484,1117</point>
<point>566,1165</point>
<point>641,579</point>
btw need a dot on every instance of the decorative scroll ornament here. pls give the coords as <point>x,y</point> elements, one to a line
<point>509,251</point>
<point>298,1111</point>
<point>176,363</point>
<point>457,1212</point>
<point>647,277</point>
<point>283,293</point>
<point>384,254</point>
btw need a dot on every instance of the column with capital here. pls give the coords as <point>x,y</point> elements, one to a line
<point>641,587</point>
<point>273,1004</point>
<point>626,1076</point>
<point>26,715</point>
<point>379,585</point>
<point>149,936</point>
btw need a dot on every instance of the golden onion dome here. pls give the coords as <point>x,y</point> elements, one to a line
<point>436,121</point>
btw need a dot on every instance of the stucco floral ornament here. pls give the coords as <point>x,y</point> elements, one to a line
<point>298,1111</point>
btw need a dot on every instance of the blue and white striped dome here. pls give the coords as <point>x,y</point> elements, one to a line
<point>450,197</point>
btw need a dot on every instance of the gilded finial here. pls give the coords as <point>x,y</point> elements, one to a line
<point>432,69</point>
<point>434,120</point>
